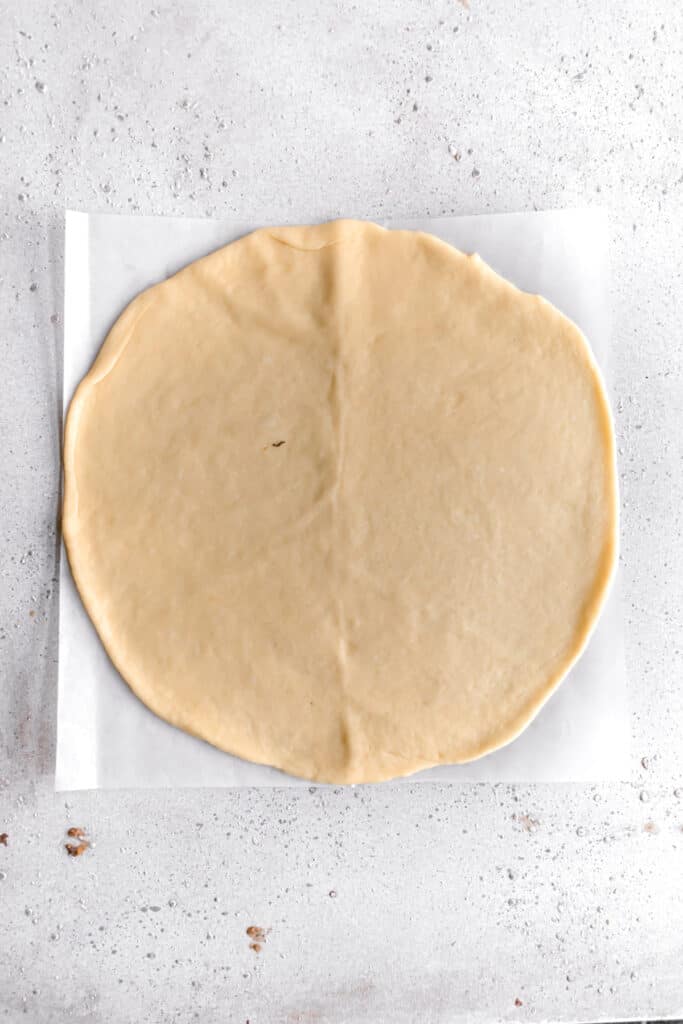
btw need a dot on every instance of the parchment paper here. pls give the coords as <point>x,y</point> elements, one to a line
<point>106,738</point>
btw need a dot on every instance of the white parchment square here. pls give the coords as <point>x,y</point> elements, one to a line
<point>106,738</point>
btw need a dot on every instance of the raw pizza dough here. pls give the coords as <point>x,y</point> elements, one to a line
<point>342,500</point>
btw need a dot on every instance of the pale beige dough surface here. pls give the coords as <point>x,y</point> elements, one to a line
<point>407,577</point>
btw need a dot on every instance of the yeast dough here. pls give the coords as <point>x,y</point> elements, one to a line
<point>342,500</point>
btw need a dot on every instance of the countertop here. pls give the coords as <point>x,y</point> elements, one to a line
<point>414,903</point>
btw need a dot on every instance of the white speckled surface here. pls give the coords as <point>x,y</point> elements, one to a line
<point>450,903</point>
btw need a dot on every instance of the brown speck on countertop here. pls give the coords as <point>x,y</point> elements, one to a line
<point>651,828</point>
<point>528,823</point>
<point>256,933</point>
<point>3,838</point>
<point>76,850</point>
<point>278,444</point>
<point>256,946</point>
<point>518,1002</point>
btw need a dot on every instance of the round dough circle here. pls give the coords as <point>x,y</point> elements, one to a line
<point>342,500</point>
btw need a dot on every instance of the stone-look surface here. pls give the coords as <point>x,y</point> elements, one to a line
<point>397,904</point>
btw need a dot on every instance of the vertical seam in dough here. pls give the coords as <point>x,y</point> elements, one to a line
<point>339,412</point>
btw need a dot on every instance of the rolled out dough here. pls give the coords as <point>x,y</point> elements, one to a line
<point>342,500</point>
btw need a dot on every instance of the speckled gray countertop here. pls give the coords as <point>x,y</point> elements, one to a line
<point>430,904</point>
